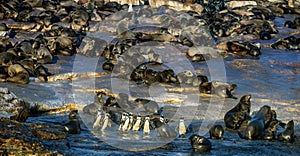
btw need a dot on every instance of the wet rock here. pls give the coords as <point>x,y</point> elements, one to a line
<point>236,4</point>
<point>12,107</point>
<point>25,138</point>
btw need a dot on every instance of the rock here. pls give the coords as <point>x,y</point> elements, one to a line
<point>236,4</point>
<point>28,139</point>
<point>12,107</point>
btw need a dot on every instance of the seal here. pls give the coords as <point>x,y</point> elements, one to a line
<point>111,102</point>
<point>123,101</point>
<point>7,59</point>
<point>185,77</point>
<point>199,79</point>
<point>163,129</point>
<point>73,126</point>
<point>200,143</point>
<point>238,114</point>
<point>3,74</point>
<point>216,131</point>
<point>17,74</point>
<point>149,105</point>
<point>94,107</point>
<point>271,130</point>
<point>288,134</point>
<point>255,128</point>
<point>222,91</point>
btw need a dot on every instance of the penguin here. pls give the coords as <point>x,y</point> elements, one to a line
<point>126,123</point>
<point>146,128</point>
<point>73,126</point>
<point>105,122</point>
<point>98,119</point>
<point>182,128</point>
<point>122,120</point>
<point>137,124</point>
<point>130,121</point>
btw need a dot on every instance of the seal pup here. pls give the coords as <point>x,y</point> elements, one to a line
<point>238,114</point>
<point>137,124</point>
<point>255,128</point>
<point>288,134</point>
<point>200,143</point>
<point>73,126</point>
<point>216,131</point>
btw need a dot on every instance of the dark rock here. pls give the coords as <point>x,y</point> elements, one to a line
<point>12,107</point>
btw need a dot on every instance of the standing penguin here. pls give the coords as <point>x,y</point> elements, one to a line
<point>126,123</point>
<point>137,124</point>
<point>122,121</point>
<point>130,124</point>
<point>181,128</point>
<point>98,119</point>
<point>146,129</point>
<point>73,126</point>
<point>105,122</point>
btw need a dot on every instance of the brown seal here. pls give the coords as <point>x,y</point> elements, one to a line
<point>239,114</point>
<point>200,143</point>
<point>288,134</point>
<point>255,128</point>
<point>216,131</point>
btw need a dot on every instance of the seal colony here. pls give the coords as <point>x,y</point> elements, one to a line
<point>61,27</point>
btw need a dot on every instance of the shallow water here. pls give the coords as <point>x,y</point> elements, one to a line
<point>273,79</point>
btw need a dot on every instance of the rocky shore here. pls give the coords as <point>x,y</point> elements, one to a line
<point>59,56</point>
